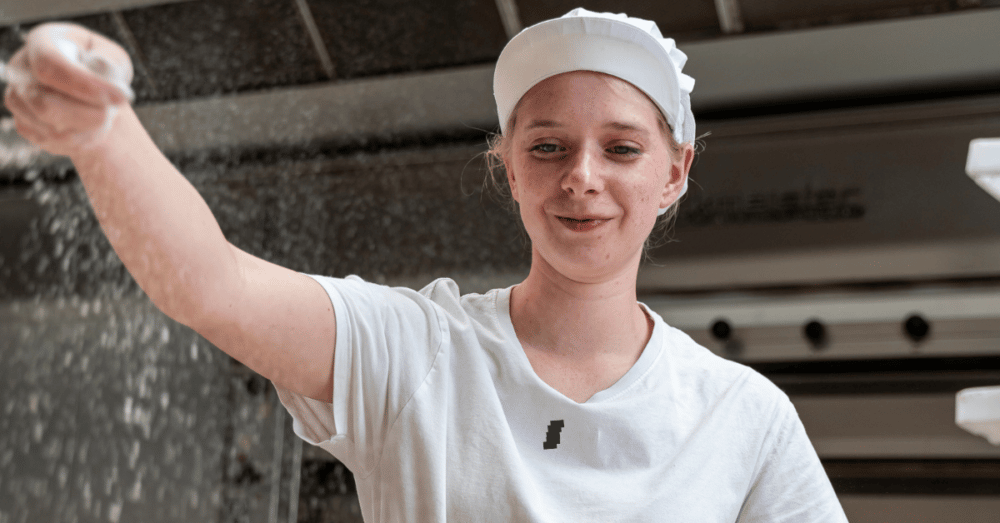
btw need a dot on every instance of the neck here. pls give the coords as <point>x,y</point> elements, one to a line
<point>561,317</point>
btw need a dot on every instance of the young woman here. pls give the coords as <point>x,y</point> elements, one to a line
<point>559,399</point>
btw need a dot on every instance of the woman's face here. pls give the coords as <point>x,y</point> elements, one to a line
<point>590,167</point>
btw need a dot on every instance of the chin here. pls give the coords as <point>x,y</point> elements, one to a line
<point>593,266</point>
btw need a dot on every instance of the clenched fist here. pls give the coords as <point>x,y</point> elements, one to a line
<point>65,86</point>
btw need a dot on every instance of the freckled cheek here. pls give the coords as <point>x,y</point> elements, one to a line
<point>640,195</point>
<point>536,185</point>
<point>525,175</point>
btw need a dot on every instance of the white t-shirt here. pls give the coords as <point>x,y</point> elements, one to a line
<point>439,415</point>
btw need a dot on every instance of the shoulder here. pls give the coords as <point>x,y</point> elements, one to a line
<point>757,415</point>
<point>441,298</point>
<point>718,378</point>
<point>463,308</point>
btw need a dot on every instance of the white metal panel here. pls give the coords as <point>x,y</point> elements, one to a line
<point>888,426</point>
<point>920,52</point>
<point>910,509</point>
<point>859,325</point>
<point>871,307</point>
<point>15,11</point>
<point>421,103</point>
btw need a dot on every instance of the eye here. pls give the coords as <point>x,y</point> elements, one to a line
<point>545,148</point>
<point>623,150</point>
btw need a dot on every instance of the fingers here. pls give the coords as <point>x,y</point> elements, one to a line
<point>79,63</point>
<point>55,122</point>
<point>33,133</point>
<point>45,138</point>
<point>24,115</point>
<point>58,111</point>
<point>30,127</point>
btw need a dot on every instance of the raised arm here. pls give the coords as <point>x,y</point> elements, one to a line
<point>276,321</point>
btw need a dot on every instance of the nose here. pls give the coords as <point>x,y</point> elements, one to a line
<point>582,175</point>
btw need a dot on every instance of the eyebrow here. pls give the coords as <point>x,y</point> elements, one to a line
<point>618,126</point>
<point>535,124</point>
<point>625,126</point>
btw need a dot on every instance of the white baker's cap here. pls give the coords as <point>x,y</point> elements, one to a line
<point>629,48</point>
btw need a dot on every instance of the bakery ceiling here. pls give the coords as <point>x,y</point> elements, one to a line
<point>193,49</point>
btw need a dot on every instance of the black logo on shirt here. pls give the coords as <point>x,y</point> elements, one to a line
<point>552,436</point>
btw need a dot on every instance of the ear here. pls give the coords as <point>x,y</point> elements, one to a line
<point>680,166</point>
<point>511,179</point>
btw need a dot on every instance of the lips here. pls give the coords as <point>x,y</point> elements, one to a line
<point>581,224</point>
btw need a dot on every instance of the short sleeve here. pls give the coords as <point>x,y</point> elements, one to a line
<point>387,339</point>
<point>791,484</point>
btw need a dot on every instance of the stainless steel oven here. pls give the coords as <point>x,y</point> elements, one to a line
<point>847,257</point>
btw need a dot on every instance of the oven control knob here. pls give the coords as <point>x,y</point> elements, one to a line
<point>916,327</point>
<point>815,332</point>
<point>721,330</point>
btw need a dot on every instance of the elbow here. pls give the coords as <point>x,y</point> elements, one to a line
<point>188,310</point>
<point>198,306</point>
